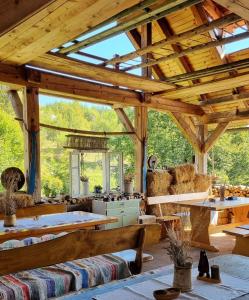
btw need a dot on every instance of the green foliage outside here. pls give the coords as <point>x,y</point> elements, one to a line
<point>231,155</point>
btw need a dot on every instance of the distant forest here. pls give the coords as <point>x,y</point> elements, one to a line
<point>229,159</point>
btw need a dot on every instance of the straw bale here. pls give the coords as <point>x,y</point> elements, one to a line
<point>183,173</point>
<point>158,182</point>
<point>202,182</point>
<point>22,200</point>
<point>182,188</point>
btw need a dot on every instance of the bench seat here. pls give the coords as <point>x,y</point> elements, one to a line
<point>242,240</point>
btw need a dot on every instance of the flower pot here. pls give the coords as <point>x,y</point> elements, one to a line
<point>128,187</point>
<point>182,277</point>
<point>9,221</point>
<point>85,188</point>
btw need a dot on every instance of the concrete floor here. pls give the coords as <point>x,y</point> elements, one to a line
<point>222,241</point>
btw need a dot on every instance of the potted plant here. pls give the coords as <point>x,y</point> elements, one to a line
<point>179,253</point>
<point>85,182</point>
<point>128,183</point>
<point>97,189</point>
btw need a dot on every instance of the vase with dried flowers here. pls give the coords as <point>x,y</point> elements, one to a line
<point>178,250</point>
<point>128,183</point>
<point>11,180</point>
<point>85,181</point>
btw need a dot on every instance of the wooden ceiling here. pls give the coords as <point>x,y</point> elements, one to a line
<point>33,28</point>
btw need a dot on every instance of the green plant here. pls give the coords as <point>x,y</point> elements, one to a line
<point>84,178</point>
<point>97,189</point>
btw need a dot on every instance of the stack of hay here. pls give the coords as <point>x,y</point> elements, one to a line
<point>21,199</point>
<point>179,180</point>
<point>237,191</point>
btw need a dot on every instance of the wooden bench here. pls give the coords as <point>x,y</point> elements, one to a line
<point>172,219</point>
<point>242,240</point>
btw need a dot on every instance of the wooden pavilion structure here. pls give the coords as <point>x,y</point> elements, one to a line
<point>184,69</point>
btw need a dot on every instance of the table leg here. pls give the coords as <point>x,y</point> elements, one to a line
<point>200,221</point>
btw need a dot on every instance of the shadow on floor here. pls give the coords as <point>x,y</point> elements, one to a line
<point>222,241</point>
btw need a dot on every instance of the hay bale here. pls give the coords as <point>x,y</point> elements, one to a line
<point>21,199</point>
<point>158,182</point>
<point>182,188</point>
<point>183,173</point>
<point>202,182</point>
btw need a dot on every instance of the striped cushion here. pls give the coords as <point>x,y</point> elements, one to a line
<point>57,280</point>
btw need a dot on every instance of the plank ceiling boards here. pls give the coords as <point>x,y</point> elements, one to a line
<point>53,25</point>
<point>240,7</point>
<point>90,71</point>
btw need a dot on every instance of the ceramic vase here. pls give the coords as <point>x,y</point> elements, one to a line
<point>182,277</point>
<point>9,221</point>
<point>85,188</point>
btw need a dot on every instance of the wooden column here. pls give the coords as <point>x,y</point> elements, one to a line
<point>141,119</point>
<point>32,141</point>
<point>201,157</point>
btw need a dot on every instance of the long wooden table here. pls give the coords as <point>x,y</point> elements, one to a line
<point>52,224</point>
<point>234,285</point>
<point>200,218</point>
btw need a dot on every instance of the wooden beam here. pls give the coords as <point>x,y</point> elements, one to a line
<point>240,7</point>
<point>214,136</point>
<point>124,119</point>
<point>226,99</point>
<point>14,12</point>
<point>160,103</point>
<point>228,19</point>
<point>237,65</point>
<point>32,142</point>
<point>141,127</point>
<point>16,104</point>
<point>60,63</point>
<point>193,49</point>
<point>63,86</point>
<point>146,39</point>
<point>135,38</point>
<point>209,87</point>
<point>201,156</point>
<point>146,17</point>
<point>223,117</point>
<point>183,124</point>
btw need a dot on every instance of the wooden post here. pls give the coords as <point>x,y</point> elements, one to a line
<point>141,119</point>
<point>32,142</point>
<point>201,157</point>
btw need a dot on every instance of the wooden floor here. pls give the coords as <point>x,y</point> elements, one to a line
<point>224,242</point>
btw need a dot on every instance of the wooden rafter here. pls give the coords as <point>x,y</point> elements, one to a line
<point>147,17</point>
<point>193,49</point>
<point>237,65</point>
<point>135,38</point>
<point>226,99</point>
<point>214,135</point>
<point>75,67</point>
<point>240,7</point>
<point>208,87</point>
<point>176,38</point>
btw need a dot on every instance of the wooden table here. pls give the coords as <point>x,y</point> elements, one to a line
<point>234,276</point>
<point>200,217</point>
<point>53,223</point>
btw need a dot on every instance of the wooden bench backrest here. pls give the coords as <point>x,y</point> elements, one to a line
<point>80,244</point>
<point>158,200</point>
<point>37,210</point>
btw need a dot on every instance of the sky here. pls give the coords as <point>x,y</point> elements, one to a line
<point>121,45</point>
